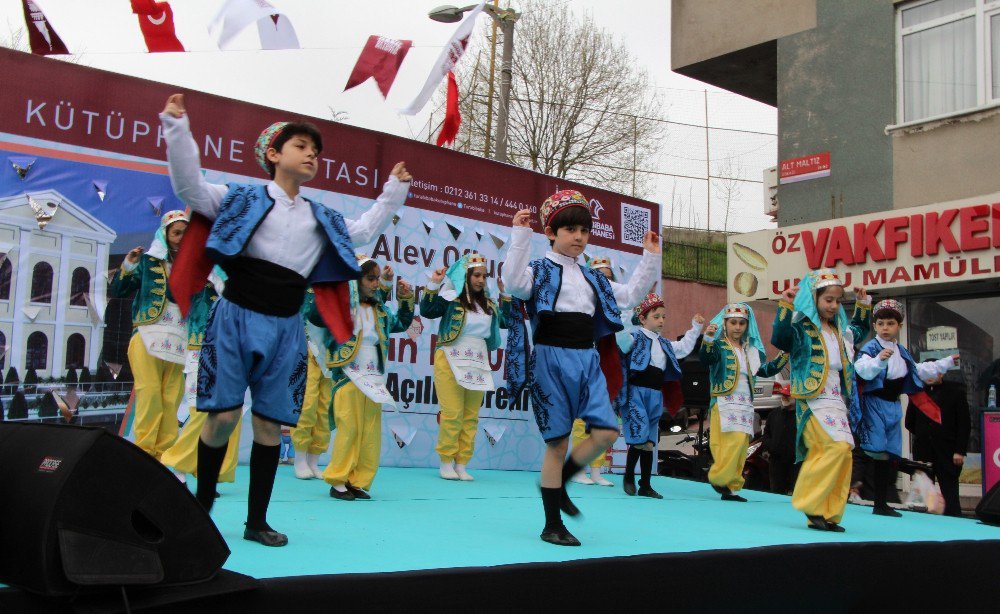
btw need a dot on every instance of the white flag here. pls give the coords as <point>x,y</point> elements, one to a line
<point>236,15</point>
<point>277,33</point>
<point>449,57</point>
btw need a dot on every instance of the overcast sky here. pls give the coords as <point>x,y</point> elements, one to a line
<point>332,32</point>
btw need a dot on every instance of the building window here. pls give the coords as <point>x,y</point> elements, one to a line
<point>41,283</point>
<point>79,287</point>
<point>38,351</point>
<point>5,274</point>
<point>76,350</point>
<point>949,56</point>
<point>3,351</point>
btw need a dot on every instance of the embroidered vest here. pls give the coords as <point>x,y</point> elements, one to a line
<point>641,353</point>
<point>911,381</point>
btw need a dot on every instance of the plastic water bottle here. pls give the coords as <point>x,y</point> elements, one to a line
<point>991,400</point>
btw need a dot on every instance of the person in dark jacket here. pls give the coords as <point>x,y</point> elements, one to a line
<point>944,445</point>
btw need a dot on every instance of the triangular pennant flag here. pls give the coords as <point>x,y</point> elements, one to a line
<point>102,188</point>
<point>64,409</point>
<point>115,368</point>
<point>497,240</point>
<point>622,269</point>
<point>44,211</point>
<point>494,432</point>
<point>22,165</point>
<point>236,15</point>
<point>452,114</point>
<point>416,328</point>
<point>428,226</point>
<point>95,311</point>
<point>277,33</point>
<point>380,60</point>
<point>42,37</point>
<point>31,312</point>
<point>479,234</point>
<point>402,434</point>
<point>156,20</point>
<point>395,219</point>
<point>456,230</point>
<point>156,202</point>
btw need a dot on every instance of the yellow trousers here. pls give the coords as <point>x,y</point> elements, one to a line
<point>159,388</point>
<point>459,414</point>
<point>357,443</point>
<point>825,478</point>
<point>579,435</point>
<point>312,434</point>
<point>729,453</point>
<point>183,455</point>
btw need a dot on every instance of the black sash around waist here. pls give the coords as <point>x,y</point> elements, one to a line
<point>567,330</point>
<point>650,377</point>
<point>264,287</point>
<point>891,389</point>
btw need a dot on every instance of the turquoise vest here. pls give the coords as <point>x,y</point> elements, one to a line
<point>452,315</point>
<point>724,370</point>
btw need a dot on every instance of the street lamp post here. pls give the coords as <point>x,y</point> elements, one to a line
<point>505,19</point>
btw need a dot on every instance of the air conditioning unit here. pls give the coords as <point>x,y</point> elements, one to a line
<point>771,191</point>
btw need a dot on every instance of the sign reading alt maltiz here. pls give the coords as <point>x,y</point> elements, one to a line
<point>945,242</point>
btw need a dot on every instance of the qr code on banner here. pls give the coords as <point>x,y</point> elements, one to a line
<point>635,222</point>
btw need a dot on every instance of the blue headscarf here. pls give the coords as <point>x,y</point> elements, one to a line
<point>752,336</point>
<point>456,276</point>
<point>805,302</point>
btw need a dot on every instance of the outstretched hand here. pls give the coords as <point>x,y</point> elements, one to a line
<point>437,275</point>
<point>387,273</point>
<point>522,218</point>
<point>789,294</point>
<point>403,289</point>
<point>861,293</point>
<point>711,329</point>
<point>651,242</point>
<point>133,256</point>
<point>175,106</point>
<point>399,172</point>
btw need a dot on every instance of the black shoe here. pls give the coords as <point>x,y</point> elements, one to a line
<point>559,536</point>
<point>818,522</point>
<point>722,490</point>
<point>347,495</point>
<point>647,491</point>
<point>879,510</point>
<point>567,506</point>
<point>728,496</point>
<point>358,493</point>
<point>267,537</point>
<point>629,488</point>
<point>834,527</point>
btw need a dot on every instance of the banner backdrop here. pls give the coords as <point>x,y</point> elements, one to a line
<point>84,148</point>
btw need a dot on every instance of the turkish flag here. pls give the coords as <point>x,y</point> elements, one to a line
<point>42,37</point>
<point>380,60</point>
<point>452,115</point>
<point>156,20</point>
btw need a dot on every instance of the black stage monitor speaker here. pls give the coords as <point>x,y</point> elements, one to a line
<point>80,507</point>
<point>988,509</point>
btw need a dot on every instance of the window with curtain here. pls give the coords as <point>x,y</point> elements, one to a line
<point>941,70</point>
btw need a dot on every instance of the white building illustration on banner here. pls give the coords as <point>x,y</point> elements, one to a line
<point>52,285</point>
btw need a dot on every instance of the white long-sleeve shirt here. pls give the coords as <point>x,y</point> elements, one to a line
<point>868,367</point>
<point>657,358</point>
<point>289,235</point>
<point>575,294</point>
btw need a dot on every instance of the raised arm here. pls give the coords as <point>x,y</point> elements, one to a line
<point>372,222</point>
<point>782,332</point>
<point>432,305</point>
<point>861,322</point>
<point>710,352</point>
<point>185,164</point>
<point>931,370</point>
<point>518,278</point>
<point>773,367</point>
<point>403,317</point>
<point>686,345</point>
<point>631,293</point>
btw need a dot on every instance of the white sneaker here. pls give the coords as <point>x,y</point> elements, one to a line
<point>581,478</point>
<point>181,476</point>
<point>600,481</point>
<point>448,471</point>
<point>302,469</point>
<point>462,473</point>
<point>314,466</point>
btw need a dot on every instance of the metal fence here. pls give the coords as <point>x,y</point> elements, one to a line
<point>702,263</point>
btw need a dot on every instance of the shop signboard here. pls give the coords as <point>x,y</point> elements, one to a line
<point>802,168</point>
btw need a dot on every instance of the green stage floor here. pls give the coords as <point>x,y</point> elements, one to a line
<point>418,521</point>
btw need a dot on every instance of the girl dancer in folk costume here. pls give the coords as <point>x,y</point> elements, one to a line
<point>182,457</point>
<point>602,265</point>
<point>272,243</point>
<point>734,359</point>
<point>311,436</point>
<point>812,327</point>
<point>571,308</point>
<point>159,335</point>
<point>469,331</point>
<point>649,362</point>
<point>886,370</point>
<point>358,373</point>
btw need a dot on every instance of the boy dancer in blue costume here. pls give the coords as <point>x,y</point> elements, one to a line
<point>571,308</point>
<point>885,370</point>
<point>272,243</point>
